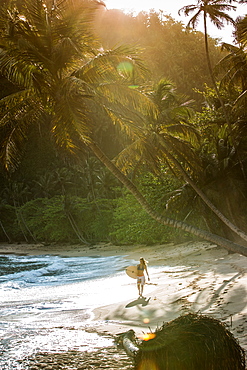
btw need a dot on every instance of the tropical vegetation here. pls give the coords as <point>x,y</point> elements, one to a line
<point>96,138</point>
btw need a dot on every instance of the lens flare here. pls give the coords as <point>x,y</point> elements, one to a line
<point>148,336</point>
<point>146,320</point>
<point>125,67</point>
<point>133,86</point>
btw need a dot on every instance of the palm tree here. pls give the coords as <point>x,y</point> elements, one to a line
<point>241,30</point>
<point>235,63</point>
<point>18,194</point>
<point>64,78</point>
<point>158,217</point>
<point>215,11</point>
<point>165,140</point>
<point>234,67</point>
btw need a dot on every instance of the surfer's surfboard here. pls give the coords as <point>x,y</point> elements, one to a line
<point>131,271</point>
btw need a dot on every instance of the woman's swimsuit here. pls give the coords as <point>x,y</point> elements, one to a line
<point>140,278</point>
<point>140,268</point>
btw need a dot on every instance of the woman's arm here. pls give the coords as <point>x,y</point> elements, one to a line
<point>147,272</point>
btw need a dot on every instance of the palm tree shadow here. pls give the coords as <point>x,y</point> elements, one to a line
<point>143,301</point>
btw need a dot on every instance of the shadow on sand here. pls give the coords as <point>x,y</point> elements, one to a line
<point>143,301</point>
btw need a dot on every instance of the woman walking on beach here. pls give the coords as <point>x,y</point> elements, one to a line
<point>141,268</point>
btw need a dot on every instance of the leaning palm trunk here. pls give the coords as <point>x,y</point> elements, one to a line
<point>26,226</point>
<point>5,232</point>
<point>213,238</point>
<point>20,224</point>
<point>205,199</point>
<point>75,228</point>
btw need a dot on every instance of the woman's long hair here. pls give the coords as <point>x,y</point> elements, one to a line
<point>144,261</point>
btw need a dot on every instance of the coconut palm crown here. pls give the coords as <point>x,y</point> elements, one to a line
<point>64,76</point>
<point>215,10</point>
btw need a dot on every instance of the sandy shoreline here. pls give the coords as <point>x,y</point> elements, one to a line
<point>191,277</point>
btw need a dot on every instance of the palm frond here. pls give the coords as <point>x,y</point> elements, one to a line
<point>187,9</point>
<point>182,130</point>
<point>218,18</point>
<point>242,99</point>
<point>14,128</point>
<point>234,65</point>
<point>107,65</point>
<point>130,156</point>
<point>128,97</point>
<point>70,122</point>
<point>241,30</point>
<point>193,22</point>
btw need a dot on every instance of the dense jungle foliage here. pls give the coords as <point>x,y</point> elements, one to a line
<point>81,85</point>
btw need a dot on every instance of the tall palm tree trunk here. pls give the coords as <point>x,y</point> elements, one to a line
<point>213,238</point>
<point>211,69</point>
<point>212,74</point>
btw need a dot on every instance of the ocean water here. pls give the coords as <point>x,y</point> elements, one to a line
<point>46,302</point>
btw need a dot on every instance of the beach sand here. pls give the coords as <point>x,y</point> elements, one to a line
<point>191,277</point>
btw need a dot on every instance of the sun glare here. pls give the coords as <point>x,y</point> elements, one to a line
<point>166,6</point>
<point>171,8</point>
